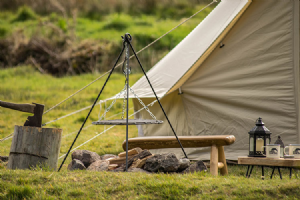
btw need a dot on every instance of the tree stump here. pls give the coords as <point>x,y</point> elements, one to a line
<point>34,146</point>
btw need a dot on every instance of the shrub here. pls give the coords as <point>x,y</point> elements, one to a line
<point>3,32</point>
<point>62,24</point>
<point>24,13</point>
<point>118,22</point>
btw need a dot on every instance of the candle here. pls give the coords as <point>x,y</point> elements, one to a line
<point>259,144</point>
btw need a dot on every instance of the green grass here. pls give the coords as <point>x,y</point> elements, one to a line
<point>144,28</point>
<point>20,184</point>
<point>24,85</point>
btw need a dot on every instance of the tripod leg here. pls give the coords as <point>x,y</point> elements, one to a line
<point>127,87</point>
<point>91,109</point>
<point>156,97</point>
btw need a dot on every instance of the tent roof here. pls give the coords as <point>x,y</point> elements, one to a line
<point>177,66</point>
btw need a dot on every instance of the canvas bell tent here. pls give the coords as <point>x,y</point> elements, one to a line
<point>240,63</point>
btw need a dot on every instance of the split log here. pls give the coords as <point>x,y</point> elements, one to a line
<point>119,160</point>
<point>112,166</point>
<point>139,163</point>
<point>131,152</point>
<point>34,146</point>
<point>145,153</point>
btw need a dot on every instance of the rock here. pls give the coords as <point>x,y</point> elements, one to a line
<point>145,153</point>
<point>138,170</point>
<point>196,167</point>
<point>120,169</point>
<point>86,157</point>
<point>184,163</point>
<point>162,163</point>
<point>77,154</point>
<point>76,164</point>
<point>4,158</point>
<point>99,165</point>
<point>107,156</point>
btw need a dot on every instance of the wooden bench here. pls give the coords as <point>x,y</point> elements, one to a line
<point>216,142</point>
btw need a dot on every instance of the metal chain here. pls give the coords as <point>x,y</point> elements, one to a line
<point>124,100</point>
<point>141,102</point>
<point>117,96</point>
<point>126,63</point>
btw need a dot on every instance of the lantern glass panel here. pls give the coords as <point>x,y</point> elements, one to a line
<point>251,144</point>
<point>267,140</point>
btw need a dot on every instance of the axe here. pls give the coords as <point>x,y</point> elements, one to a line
<point>36,109</point>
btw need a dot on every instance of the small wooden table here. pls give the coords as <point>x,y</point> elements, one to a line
<point>269,162</point>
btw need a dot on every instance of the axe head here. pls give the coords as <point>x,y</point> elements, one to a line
<point>36,119</point>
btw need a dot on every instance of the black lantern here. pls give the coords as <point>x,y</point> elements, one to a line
<point>259,136</point>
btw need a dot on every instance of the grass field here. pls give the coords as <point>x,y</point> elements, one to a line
<point>27,184</point>
<point>25,85</point>
<point>78,38</point>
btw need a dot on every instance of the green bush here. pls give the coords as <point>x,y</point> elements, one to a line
<point>3,32</point>
<point>177,11</point>
<point>24,13</point>
<point>62,24</point>
<point>118,22</point>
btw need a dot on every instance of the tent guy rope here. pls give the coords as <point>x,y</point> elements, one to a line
<point>214,1</point>
<point>11,135</point>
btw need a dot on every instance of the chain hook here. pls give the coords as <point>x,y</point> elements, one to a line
<point>126,39</point>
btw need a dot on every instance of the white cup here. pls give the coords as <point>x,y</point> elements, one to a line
<point>272,150</point>
<point>294,149</point>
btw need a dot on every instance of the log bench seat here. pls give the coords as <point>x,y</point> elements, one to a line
<point>216,142</point>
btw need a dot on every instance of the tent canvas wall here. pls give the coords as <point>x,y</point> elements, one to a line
<point>209,90</point>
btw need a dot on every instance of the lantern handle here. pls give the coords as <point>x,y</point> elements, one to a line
<point>259,122</point>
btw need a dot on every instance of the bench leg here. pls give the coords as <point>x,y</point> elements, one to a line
<point>221,158</point>
<point>214,160</point>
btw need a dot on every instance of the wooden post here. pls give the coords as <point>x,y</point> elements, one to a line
<point>32,146</point>
<point>214,160</point>
<point>221,153</point>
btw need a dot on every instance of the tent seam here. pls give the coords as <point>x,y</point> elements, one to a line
<point>234,21</point>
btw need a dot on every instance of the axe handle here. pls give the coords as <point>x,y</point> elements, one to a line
<point>29,108</point>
